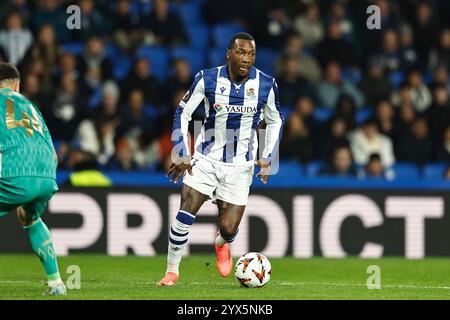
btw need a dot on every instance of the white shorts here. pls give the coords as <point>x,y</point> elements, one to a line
<point>228,182</point>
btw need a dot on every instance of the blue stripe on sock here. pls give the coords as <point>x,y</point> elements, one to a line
<point>177,242</point>
<point>185,218</point>
<point>177,233</point>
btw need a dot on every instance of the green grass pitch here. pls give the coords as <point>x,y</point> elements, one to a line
<point>102,277</point>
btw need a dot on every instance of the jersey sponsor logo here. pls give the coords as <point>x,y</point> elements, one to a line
<point>224,108</point>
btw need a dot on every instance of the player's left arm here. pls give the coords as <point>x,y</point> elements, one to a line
<point>274,127</point>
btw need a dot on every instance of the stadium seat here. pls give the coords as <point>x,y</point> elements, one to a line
<point>198,36</point>
<point>121,67</point>
<point>216,57</point>
<point>313,168</point>
<point>396,78</point>
<point>322,114</point>
<point>112,51</point>
<point>195,57</point>
<point>265,60</point>
<point>434,170</point>
<point>289,169</point>
<point>158,57</point>
<point>190,13</point>
<point>428,78</point>
<point>363,114</point>
<point>406,170</point>
<point>74,48</point>
<point>151,111</point>
<point>222,33</point>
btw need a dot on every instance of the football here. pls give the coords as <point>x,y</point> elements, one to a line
<point>253,270</point>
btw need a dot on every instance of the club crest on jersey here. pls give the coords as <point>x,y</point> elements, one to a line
<point>222,89</point>
<point>251,93</point>
<point>223,108</point>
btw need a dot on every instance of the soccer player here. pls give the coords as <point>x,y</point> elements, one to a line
<point>27,170</point>
<point>237,97</point>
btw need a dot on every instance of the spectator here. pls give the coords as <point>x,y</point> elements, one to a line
<point>335,136</point>
<point>335,48</point>
<point>440,55</point>
<point>93,63</point>
<point>123,158</point>
<point>438,114</point>
<point>416,146</point>
<point>15,40</point>
<point>135,123</point>
<point>127,30</point>
<point>165,26</point>
<point>374,169</point>
<point>375,86</point>
<point>305,107</point>
<point>273,28</point>
<point>96,134</point>
<point>310,26</point>
<point>440,78</point>
<point>20,6</point>
<point>371,39</point>
<point>341,164</point>
<point>181,79</point>
<point>389,57</point>
<point>384,114</point>
<point>421,96</point>
<point>291,84</point>
<point>92,22</point>
<point>339,12</point>
<point>408,53</point>
<point>346,109</point>
<point>332,86</point>
<point>46,49</point>
<point>403,96</point>
<point>50,12</point>
<point>140,78</point>
<point>65,114</point>
<point>297,143</point>
<point>425,29</point>
<point>368,140</point>
<point>308,65</point>
<point>32,90</point>
<point>67,64</point>
<point>443,150</point>
<point>403,119</point>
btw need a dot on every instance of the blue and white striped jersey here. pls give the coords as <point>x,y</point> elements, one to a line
<point>233,113</point>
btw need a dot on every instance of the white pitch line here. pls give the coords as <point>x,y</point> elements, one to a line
<point>336,284</point>
<point>340,284</point>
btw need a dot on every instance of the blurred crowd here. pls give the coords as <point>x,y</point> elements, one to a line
<point>356,100</point>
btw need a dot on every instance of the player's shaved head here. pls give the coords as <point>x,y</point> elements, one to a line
<point>9,75</point>
<point>240,35</point>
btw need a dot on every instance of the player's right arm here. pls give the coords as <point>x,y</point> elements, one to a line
<point>181,157</point>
